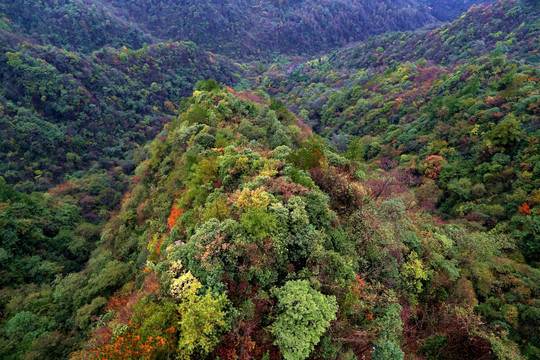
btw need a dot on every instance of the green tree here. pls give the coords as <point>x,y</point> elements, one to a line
<point>507,132</point>
<point>202,320</point>
<point>388,351</point>
<point>304,316</point>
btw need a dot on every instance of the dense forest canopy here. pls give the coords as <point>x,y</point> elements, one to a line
<point>238,28</point>
<point>357,179</point>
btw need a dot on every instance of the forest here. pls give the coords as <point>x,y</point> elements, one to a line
<point>239,28</point>
<point>330,180</point>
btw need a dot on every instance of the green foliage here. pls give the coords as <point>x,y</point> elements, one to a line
<point>207,85</point>
<point>259,223</point>
<point>64,120</point>
<point>413,273</point>
<point>387,350</point>
<point>205,140</point>
<point>304,315</point>
<point>265,217</point>
<point>507,132</point>
<point>202,320</point>
<point>22,324</point>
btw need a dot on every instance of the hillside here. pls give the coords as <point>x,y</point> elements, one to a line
<point>238,210</point>
<point>238,28</point>
<point>360,181</point>
<point>444,10</point>
<point>62,112</point>
<point>252,239</point>
<point>465,126</point>
<point>67,101</point>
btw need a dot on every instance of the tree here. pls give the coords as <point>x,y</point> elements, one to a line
<point>203,318</point>
<point>506,133</point>
<point>387,350</point>
<point>304,316</point>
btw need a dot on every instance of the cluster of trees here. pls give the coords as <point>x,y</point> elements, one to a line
<point>507,27</point>
<point>45,238</point>
<point>241,27</point>
<point>468,131</point>
<point>238,27</point>
<point>447,11</point>
<point>243,237</point>
<point>74,25</point>
<point>62,112</point>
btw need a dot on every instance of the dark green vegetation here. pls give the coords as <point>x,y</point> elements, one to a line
<point>408,228</point>
<point>238,27</point>
<point>45,237</point>
<point>447,10</point>
<point>61,112</point>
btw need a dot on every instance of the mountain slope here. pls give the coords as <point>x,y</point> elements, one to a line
<point>238,28</point>
<point>475,121</point>
<point>410,231</point>
<point>252,240</point>
<point>63,112</point>
<point>75,25</point>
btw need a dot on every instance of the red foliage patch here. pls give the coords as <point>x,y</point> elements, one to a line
<point>128,345</point>
<point>173,217</point>
<point>433,165</point>
<point>249,340</point>
<point>525,209</point>
<point>287,188</point>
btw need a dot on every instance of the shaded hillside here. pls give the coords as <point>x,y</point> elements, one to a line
<point>445,10</point>
<point>237,28</point>
<point>76,25</point>
<point>240,27</point>
<point>62,112</point>
<point>508,27</point>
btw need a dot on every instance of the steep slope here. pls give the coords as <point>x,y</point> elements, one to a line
<point>242,235</point>
<point>75,25</point>
<point>44,238</point>
<point>509,27</point>
<point>63,112</point>
<point>241,27</point>
<point>444,10</point>
<point>250,239</point>
<point>238,28</point>
<point>469,129</point>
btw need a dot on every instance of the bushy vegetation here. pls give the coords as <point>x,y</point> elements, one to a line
<point>223,247</point>
<point>234,27</point>
<point>465,133</point>
<point>62,112</point>
<point>407,227</point>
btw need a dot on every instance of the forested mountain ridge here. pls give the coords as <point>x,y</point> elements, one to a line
<point>409,230</point>
<point>256,240</point>
<point>240,28</point>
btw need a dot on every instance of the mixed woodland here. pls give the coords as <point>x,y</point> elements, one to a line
<point>317,180</point>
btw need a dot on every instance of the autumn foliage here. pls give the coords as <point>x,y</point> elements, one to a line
<point>130,345</point>
<point>525,209</point>
<point>173,217</point>
<point>433,165</point>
